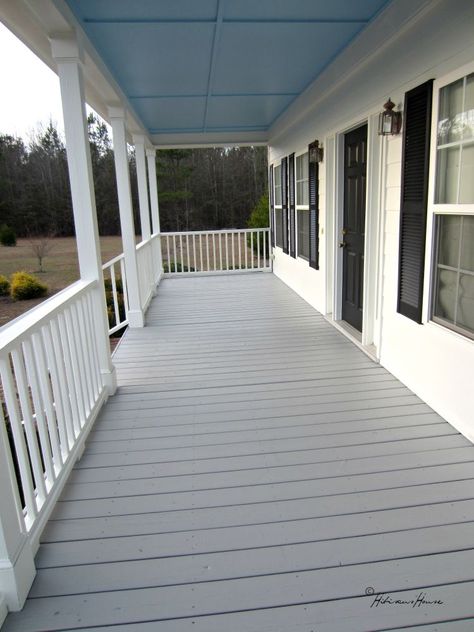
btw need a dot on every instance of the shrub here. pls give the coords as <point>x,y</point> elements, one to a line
<point>25,286</point>
<point>118,285</point>
<point>7,236</point>
<point>170,267</point>
<point>4,286</point>
<point>259,219</point>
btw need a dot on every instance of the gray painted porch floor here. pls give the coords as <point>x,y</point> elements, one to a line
<point>256,471</point>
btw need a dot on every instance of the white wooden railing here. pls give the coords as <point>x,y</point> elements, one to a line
<point>216,251</point>
<point>53,388</point>
<point>115,278</point>
<point>145,266</point>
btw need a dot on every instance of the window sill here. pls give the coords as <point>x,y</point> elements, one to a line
<point>449,331</point>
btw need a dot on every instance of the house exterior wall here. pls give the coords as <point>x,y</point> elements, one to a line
<point>433,361</point>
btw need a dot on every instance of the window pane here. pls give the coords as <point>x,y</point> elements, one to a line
<point>446,294</point>
<point>447,176</point>
<point>449,237</point>
<point>302,167</point>
<point>303,234</point>
<point>465,315</point>
<point>469,108</point>
<point>278,227</point>
<point>450,122</point>
<point>277,180</point>
<point>467,248</point>
<point>302,193</point>
<point>466,187</point>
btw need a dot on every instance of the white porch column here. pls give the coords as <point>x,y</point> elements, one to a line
<point>68,55</point>
<point>155,211</point>
<point>122,173</point>
<point>17,568</point>
<point>139,142</point>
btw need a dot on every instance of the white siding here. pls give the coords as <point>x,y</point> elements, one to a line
<point>434,362</point>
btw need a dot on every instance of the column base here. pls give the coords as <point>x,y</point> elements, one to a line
<point>136,319</point>
<point>16,577</point>
<point>110,380</point>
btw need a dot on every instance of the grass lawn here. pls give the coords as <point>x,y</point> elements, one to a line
<point>60,265</point>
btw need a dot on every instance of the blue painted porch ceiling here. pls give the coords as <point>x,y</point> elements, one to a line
<point>218,65</point>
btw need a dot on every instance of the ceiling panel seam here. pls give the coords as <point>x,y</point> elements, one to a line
<point>212,65</point>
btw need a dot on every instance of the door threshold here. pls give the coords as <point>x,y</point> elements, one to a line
<point>355,336</point>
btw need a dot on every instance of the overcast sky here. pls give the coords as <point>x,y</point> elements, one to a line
<point>30,90</point>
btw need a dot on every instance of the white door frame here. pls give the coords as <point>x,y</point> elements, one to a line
<point>373,250</point>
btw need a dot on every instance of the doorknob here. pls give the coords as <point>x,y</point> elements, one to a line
<point>342,244</point>
<point>344,231</point>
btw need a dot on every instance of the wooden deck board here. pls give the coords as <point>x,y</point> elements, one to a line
<point>256,471</point>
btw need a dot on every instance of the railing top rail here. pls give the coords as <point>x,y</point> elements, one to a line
<point>37,316</point>
<point>142,244</point>
<point>116,259</point>
<point>224,231</point>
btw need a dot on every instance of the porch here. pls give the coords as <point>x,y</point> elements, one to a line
<point>256,471</point>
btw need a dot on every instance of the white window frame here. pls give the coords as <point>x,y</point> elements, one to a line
<point>300,207</point>
<point>276,206</point>
<point>435,209</point>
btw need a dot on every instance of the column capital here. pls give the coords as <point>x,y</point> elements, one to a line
<point>150,152</point>
<point>116,111</point>
<point>66,47</point>
<point>138,139</point>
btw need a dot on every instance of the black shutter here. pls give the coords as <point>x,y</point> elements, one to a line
<point>284,203</point>
<point>272,207</point>
<point>291,196</point>
<point>313,183</point>
<point>414,200</point>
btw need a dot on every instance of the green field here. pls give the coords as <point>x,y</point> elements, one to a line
<point>60,265</point>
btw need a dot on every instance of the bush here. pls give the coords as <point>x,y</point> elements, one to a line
<point>118,285</point>
<point>259,219</point>
<point>4,286</point>
<point>170,267</point>
<point>25,286</point>
<point>7,236</point>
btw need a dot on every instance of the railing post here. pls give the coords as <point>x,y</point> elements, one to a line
<point>17,568</point>
<point>155,211</point>
<point>122,173</point>
<point>69,58</point>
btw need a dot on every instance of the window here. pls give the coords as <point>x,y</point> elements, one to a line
<point>302,206</point>
<point>455,143</point>
<point>453,275</point>
<point>278,210</point>
<point>302,193</point>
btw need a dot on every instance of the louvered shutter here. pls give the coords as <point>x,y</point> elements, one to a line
<point>291,198</point>
<point>414,199</point>
<point>272,207</point>
<point>313,183</point>
<point>284,203</point>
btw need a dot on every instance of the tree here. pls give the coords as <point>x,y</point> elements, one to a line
<point>41,247</point>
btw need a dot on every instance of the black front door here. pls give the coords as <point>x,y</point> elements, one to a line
<point>353,232</point>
